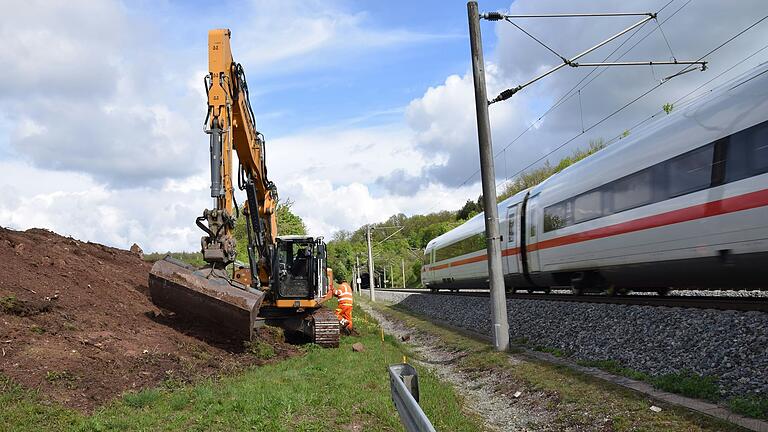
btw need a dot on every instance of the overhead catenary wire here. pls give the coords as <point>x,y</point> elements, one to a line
<point>645,93</point>
<point>641,39</point>
<point>665,38</point>
<point>562,57</point>
<point>687,69</point>
<point>506,94</point>
<point>496,16</point>
<point>678,100</point>
<point>569,94</point>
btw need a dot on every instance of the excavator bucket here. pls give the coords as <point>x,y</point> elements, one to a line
<point>205,295</point>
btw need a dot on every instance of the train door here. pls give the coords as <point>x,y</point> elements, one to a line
<point>511,248</point>
<point>426,267</point>
<point>532,219</point>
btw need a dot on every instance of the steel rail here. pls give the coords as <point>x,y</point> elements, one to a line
<point>690,302</point>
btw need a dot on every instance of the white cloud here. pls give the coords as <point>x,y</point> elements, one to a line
<point>285,35</point>
<point>343,156</point>
<point>445,125</point>
<point>59,49</point>
<point>104,147</point>
<point>326,208</point>
<point>158,219</point>
<point>83,95</point>
<point>115,153</point>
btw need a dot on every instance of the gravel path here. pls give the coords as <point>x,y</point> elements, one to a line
<point>498,411</point>
<point>730,345</point>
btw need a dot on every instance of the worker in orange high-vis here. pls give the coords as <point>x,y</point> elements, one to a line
<point>343,292</point>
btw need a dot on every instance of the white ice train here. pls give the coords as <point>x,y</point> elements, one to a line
<point>681,203</point>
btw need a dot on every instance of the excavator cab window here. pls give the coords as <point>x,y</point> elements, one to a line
<point>296,266</point>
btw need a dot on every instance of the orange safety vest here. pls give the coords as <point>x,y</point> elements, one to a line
<point>344,293</point>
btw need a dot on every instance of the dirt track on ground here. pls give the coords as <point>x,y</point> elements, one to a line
<point>76,323</point>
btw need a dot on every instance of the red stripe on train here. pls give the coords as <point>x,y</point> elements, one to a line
<point>700,211</point>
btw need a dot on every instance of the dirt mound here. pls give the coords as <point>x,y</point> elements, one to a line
<point>77,324</point>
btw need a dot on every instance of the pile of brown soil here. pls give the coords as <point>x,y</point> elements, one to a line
<point>77,324</point>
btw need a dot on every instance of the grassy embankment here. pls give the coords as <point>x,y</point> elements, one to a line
<point>577,399</point>
<point>323,390</point>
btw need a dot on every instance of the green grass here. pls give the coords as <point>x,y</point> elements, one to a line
<point>63,377</point>
<point>689,384</point>
<point>261,350</point>
<point>11,305</point>
<point>142,398</point>
<point>578,401</point>
<point>323,390</point>
<point>615,368</point>
<point>685,383</point>
<point>554,351</point>
<point>751,406</point>
<point>22,410</point>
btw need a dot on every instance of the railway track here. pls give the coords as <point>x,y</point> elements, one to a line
<point>701,302</point>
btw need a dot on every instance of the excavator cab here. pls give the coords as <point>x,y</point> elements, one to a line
<point>291,300</point>
<point>299,263</point>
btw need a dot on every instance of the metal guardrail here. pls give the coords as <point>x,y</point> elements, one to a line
<point>404,384</point>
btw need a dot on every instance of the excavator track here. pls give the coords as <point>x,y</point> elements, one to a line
<point>325,328</point>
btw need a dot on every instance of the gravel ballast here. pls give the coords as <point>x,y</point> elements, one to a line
<point>729,345</point>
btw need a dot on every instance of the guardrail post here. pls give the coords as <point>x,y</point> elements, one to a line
<point>404,385</point>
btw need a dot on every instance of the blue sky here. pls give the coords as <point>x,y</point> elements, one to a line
<point>367,106</point>
<point>341,91</point>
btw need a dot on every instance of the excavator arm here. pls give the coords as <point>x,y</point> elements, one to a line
<point>230,124</point>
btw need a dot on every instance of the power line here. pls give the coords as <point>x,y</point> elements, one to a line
<point>687,69</point>
<point>569,94</point>
<point>537,40</point>
<point>634,100</point>
<point>638,42</point>
<point>618,137</point>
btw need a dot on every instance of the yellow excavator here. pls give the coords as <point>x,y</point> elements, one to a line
<point>290,278</point>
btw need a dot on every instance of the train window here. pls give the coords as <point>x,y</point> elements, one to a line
<point>468,245</point>
<point>759,146</point>
<point>512,213</point>
<point>554,217</point>
<point>588,206</point>
<point>569,212</point>
<point>632,191</point>
<point>691,171</point>
<point>731,158</point>
<point>473,244</point>
<point>441,254</point>
<point>737,158</point>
